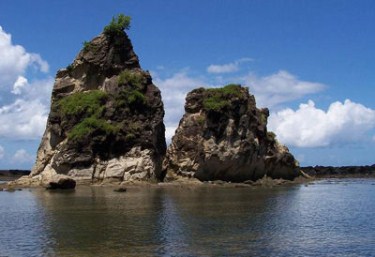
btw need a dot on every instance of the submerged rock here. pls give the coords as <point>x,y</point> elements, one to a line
<point>106,118</point>
<point>223,136</point>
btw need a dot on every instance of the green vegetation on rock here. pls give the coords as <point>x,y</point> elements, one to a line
<point>117,25</point>
<point>226,91</point>
<point>82,103</point>
<point>215,103</point>
<point>130,98</point>
<point>89,126</point>
<point>220,98</point>
<point>86,107</point>
<point>88,46</point>
<point>131,78</point>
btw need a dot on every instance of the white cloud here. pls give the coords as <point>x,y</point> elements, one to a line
<point>170,131</point>
<point>14,61</point>
<point>23,119</point>
<point>224,68</point>
<point>39,89</point>
<point>174,90</point>
<point>2,152</point>
<point>227,68</point>
<point>309,126</point>
<point>22,156</point>
<point>20,83</point>
<point>279,88</point>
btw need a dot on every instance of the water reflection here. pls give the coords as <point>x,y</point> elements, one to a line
<point>318,220</point>
<point>23,231</point>
<point>160,221</point>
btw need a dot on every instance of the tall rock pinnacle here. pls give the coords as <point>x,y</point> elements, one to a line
<point>106,118</point>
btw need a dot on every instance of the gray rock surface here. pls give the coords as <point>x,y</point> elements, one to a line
<point>223,136</point>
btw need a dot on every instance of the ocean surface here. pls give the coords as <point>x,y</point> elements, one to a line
<point>333,217</point>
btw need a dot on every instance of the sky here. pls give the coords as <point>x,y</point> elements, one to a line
<point>310,62</point>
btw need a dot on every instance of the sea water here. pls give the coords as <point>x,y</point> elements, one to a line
<point>327,218</point>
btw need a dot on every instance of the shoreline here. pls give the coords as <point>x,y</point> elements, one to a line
<point>265,182</point>
<point>19,179</point>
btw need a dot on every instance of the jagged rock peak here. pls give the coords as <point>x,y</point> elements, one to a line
<point>106,118</point>
<point>223,136</point>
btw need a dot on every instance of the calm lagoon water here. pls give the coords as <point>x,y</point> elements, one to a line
<point>328,218</point>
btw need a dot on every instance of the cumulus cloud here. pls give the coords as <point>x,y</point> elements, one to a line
<point>22,156</point>
<point>23,119</point>
<point>15,60</point>
<point>227,68</point>
<point>309,126</point>
<point>20,83</point>
<point>279,88</point>
<point>2,152</point>
<point>174,90</point>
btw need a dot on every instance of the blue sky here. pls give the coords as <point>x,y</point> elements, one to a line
<point>310,62</point>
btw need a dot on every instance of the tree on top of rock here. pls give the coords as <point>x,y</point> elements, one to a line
<point>117,25</point>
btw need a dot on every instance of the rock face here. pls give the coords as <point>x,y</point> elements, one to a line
<point>106,118</point>
<point>223,136</point>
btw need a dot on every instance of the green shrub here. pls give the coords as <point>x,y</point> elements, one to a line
<point>117,25</point>
<point>83,103</point>
<point>215,103</point>
<point>89,126</point>
<point>219,98</point>
<point>136,98</point>
<point>130,98</point>
<point>133,79</point>
<point>88,46</point>
<point>226,91</point>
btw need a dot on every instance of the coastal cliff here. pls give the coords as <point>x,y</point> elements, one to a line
<point>106,117</point>
<point>223,136</point>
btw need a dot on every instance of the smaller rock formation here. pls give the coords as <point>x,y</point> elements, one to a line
<point>223,136</point>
